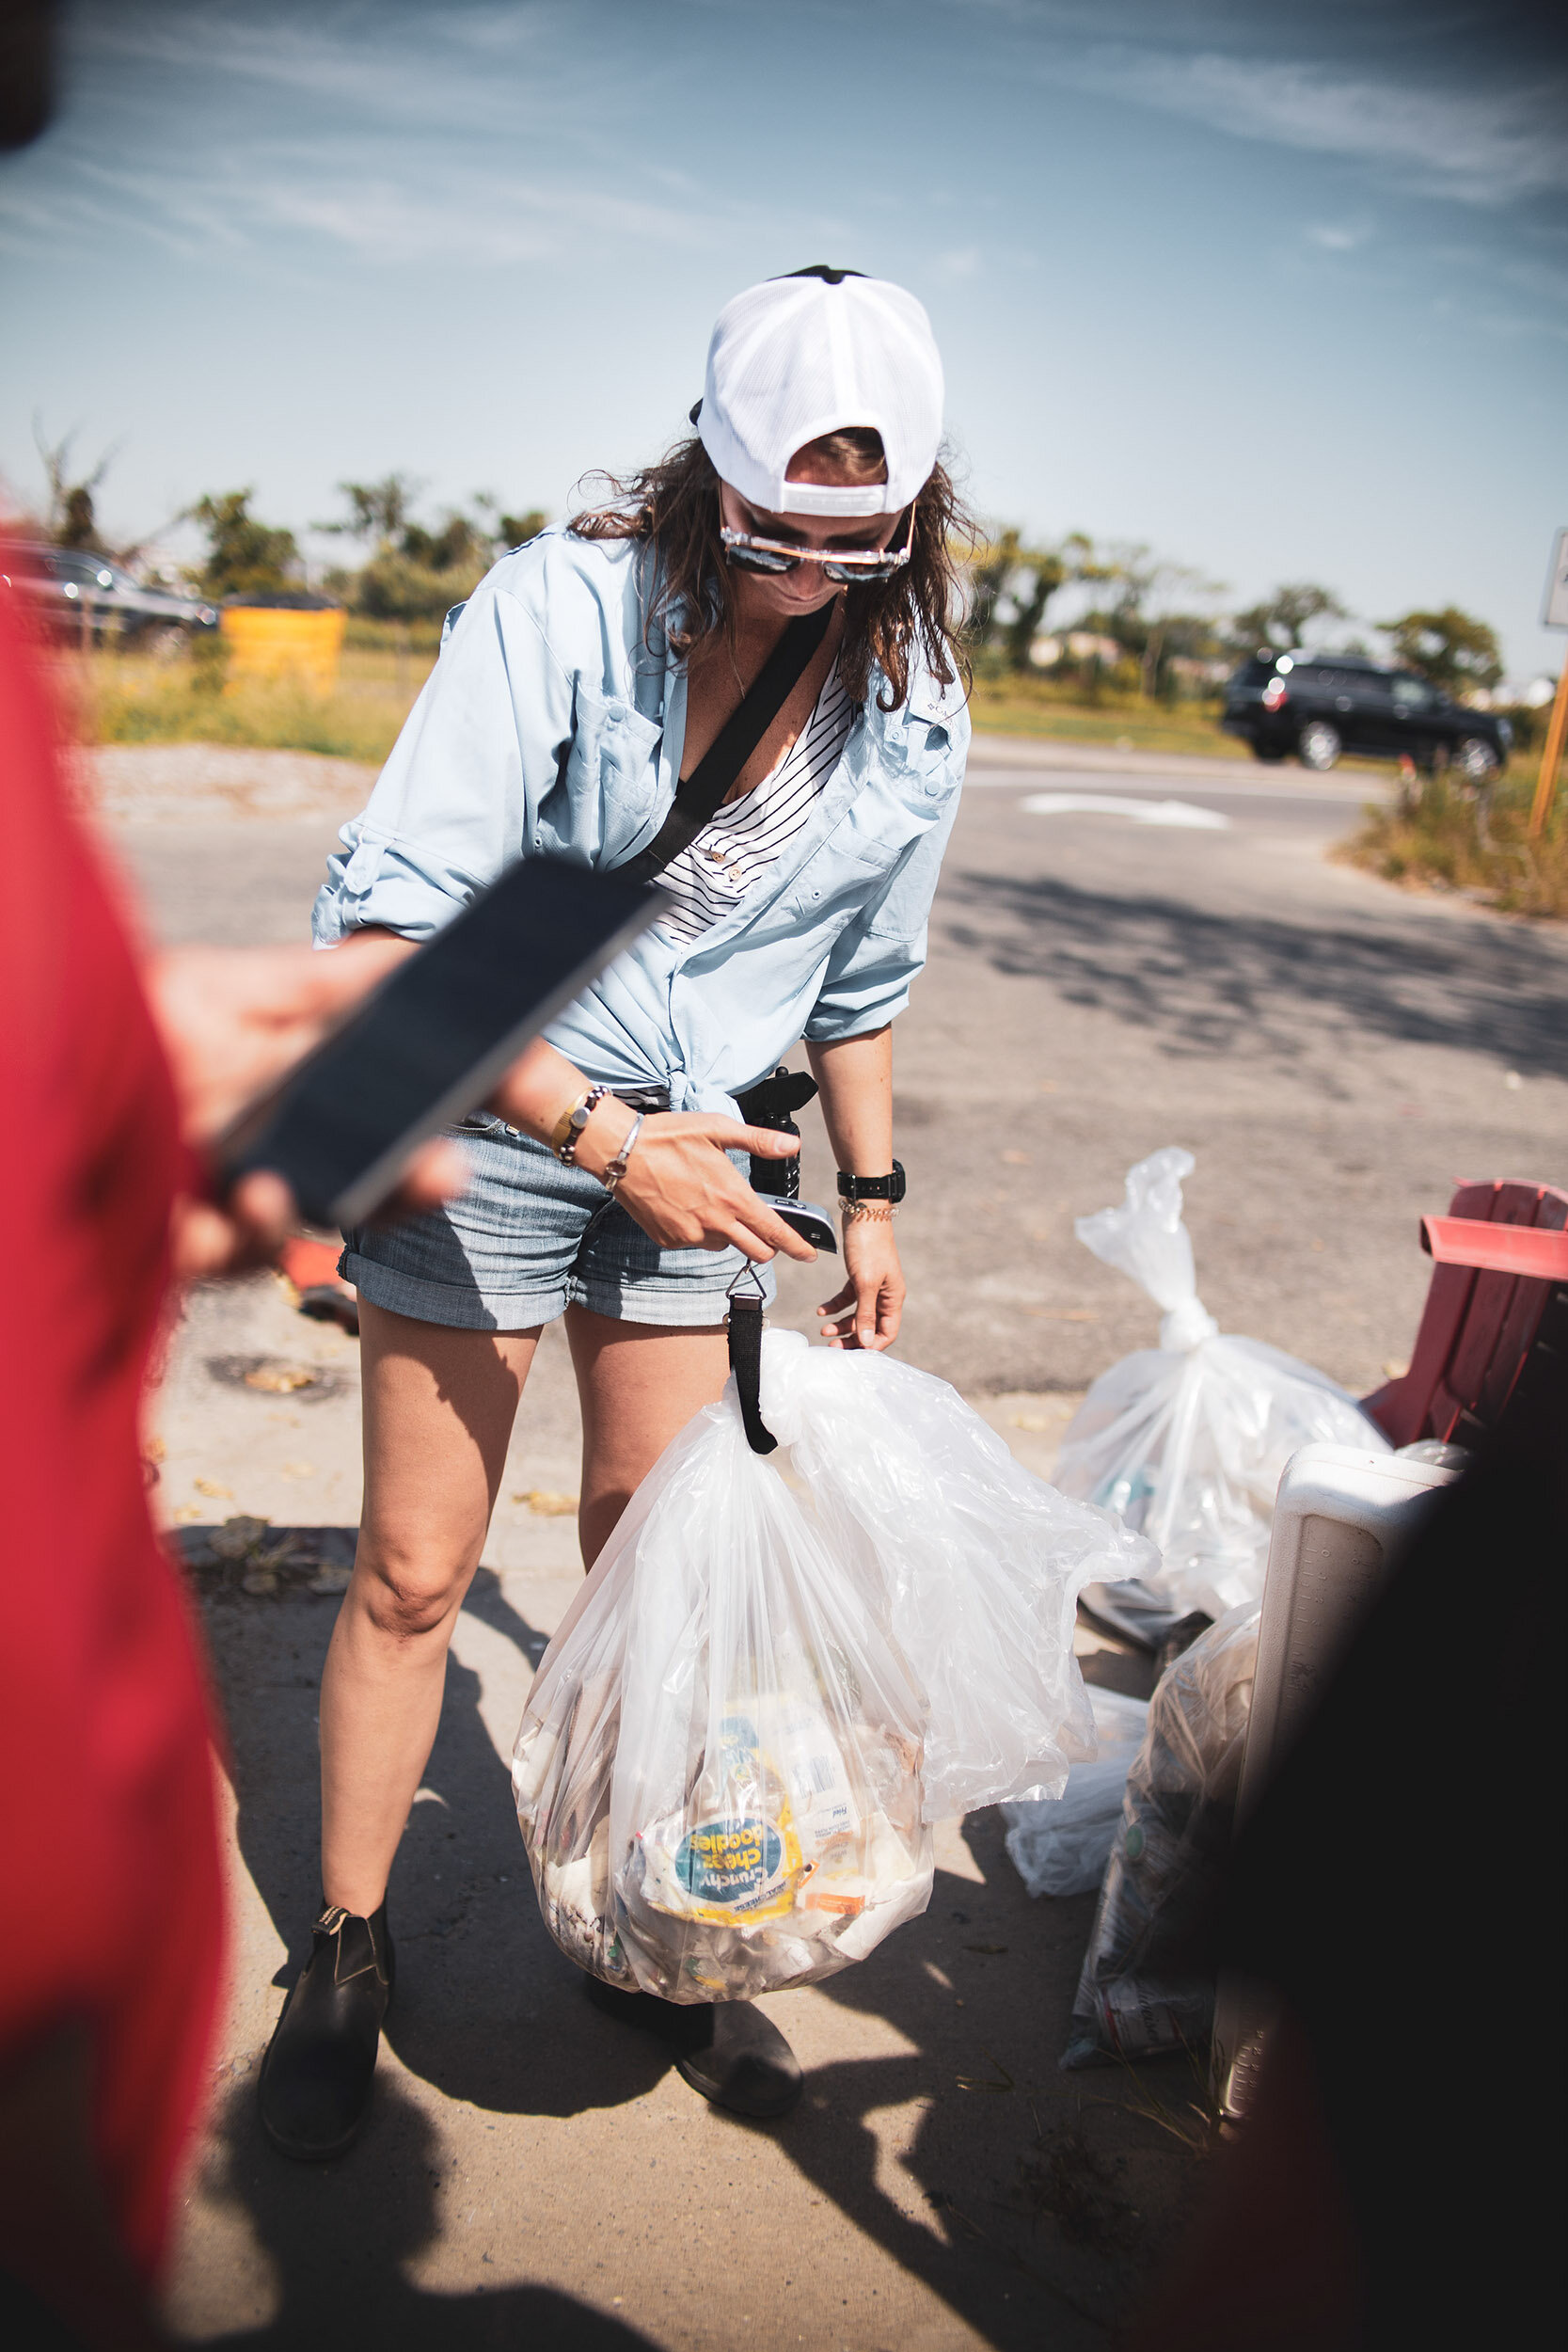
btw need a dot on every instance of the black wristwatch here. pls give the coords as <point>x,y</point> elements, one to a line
<point>873,1188</point>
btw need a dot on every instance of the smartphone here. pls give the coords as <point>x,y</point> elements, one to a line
<point>805,1219</point>
<point>436,1037</point>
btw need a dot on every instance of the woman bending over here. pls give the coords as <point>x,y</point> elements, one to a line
<point>585,677</point>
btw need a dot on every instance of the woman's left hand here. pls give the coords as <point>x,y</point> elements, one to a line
<point>866,1312</point>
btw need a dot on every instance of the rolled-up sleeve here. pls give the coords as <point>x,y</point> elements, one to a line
<point>876,958</point>
<point>458,798</point>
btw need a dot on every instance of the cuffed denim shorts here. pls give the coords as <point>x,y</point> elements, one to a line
<point>529,1239</point>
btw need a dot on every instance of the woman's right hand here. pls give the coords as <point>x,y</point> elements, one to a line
<point>684,1190</point>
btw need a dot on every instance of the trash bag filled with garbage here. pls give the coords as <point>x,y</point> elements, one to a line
<point>1148,1979</point>
<point>1187,1442</point>
<point>765,1692</point>
<point>979,1563</point>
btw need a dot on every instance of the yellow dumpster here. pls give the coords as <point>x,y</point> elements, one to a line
<point>284,642</point>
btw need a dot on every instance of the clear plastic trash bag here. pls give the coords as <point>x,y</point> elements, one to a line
<point>783,1669</point>
<point>980,1562</point>
<point>719,1771</point>
<point>1148,1981</point>
<point>1061,1846</point>
<point>1187,1442</point>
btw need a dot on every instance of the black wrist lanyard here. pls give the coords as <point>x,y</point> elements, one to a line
<point>743,1329</point>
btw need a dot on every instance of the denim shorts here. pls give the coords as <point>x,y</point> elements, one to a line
<point>529,1239</point>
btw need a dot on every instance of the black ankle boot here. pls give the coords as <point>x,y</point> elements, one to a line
<point>725,2049</point>
<point>321,2061</point>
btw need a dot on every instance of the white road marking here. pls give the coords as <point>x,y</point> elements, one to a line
<point>1141,811</point>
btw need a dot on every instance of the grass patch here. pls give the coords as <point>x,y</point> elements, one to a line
<point>132,698</point>
<point>1011,704</point>
<point>1440,835</point>
<point>136,698</point>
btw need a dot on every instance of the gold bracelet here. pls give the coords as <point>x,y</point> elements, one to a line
<point>873,1212</point>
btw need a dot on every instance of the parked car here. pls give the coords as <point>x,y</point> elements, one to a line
<point>1319,705</point>
<point>63,583</point>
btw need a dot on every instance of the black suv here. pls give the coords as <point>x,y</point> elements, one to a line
<point>72,592</point>
<point>1319,705</point>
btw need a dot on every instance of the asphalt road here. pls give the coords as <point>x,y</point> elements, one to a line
<point>1335,1053</point>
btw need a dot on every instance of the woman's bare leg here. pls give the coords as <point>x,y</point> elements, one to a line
<point>639,1384</point>
<point>439,1408</point>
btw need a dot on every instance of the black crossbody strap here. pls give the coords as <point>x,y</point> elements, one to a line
<point>699,795</point>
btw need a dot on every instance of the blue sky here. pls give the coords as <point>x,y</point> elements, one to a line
<point>1283,292</point>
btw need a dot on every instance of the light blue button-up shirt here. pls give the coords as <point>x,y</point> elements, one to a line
<point>548,725</point>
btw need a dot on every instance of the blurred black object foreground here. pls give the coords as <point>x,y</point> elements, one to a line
<point>26,70</point>
<point>1398,1887</point>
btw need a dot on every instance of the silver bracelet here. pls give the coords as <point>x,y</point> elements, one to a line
<point>614,1169</point>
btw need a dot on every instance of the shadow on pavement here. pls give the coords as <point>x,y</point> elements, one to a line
<point>1034,2202</point>
<point>1026,2198</point>
<point>487,2010</point>
<point>1204,983</point>
<point>339,2236</point>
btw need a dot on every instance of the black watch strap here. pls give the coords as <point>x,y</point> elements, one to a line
<point>873,1188</point>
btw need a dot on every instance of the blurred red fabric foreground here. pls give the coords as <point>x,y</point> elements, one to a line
<point>108,1845</point>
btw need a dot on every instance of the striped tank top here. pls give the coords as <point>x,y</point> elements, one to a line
<point>710,877</point>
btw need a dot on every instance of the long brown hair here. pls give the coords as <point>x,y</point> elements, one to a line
<point>673,506</point>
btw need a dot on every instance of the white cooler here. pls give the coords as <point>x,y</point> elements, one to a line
<point>1341,1520</point>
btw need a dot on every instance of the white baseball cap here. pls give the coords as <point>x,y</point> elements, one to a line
<point>819,352</point>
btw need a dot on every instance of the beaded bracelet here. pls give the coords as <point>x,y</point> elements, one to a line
<point>569,1126</point>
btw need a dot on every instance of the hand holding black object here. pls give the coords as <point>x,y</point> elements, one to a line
<point>687,1193</point>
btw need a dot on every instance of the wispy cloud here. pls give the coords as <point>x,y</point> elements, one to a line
<point>1335,237</point>
<point>474,215</point>
<point>1479,145</point>
<point>433,67</point>
<point>478,137</point>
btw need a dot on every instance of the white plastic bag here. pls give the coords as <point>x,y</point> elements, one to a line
<point>1148,1979</point>
<point>980,1562</point>
<point>719,1771</point>
<point>1187,1442</point>
<point>768,1690</point>
<point>1061,1846</point>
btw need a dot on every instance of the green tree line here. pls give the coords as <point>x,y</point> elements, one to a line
<point>1141,621</point>
<point>1137,621</point>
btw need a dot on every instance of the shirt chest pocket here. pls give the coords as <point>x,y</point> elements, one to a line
<point>611,770</point>
<point>839,880</point>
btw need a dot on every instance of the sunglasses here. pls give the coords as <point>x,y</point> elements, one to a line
<point>843,565</point>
